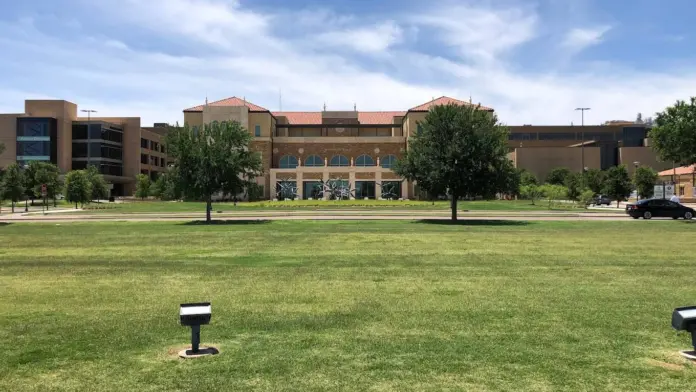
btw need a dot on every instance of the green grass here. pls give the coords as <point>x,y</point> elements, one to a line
<point>347,306</point>
<point>309,205</point>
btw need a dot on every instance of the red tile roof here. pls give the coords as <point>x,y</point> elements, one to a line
<point>680,171</point>
<point>363,117</point>
<point>232,101</point>
<point>444,101</point>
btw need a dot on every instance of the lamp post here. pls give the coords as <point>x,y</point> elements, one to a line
<point>582,125</point>
<point>89,125</point>
<point>635,165</point>
<point>26,201</point>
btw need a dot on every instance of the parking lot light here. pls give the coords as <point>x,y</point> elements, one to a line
<point>194,315</point>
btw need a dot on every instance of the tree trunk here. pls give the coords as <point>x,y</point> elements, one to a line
<point>54,201</point>
<point>75,205</point>
<point>13,207</point>
<point>454,207</point>
<point>208,207</point>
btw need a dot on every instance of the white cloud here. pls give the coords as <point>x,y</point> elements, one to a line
<point>237,52</point>
<point>371,39</point>
<point>480,33</point>
<point>578,39</point>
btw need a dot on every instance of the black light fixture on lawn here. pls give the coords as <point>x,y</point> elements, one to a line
<point>194,315</point>
<point>684,319</point>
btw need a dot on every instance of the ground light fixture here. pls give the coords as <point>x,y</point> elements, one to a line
<point>684,319</point>
<point>194,315</point>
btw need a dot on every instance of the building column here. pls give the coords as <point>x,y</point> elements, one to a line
<point>325,178</point>
<point>378,184</point>
<point>351,180</point>
<point>300,184</point>
<point>272,186</point>
<point>404,190</point>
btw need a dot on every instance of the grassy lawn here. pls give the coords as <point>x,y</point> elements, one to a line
<point>309,205</point>
<point>347,306</point>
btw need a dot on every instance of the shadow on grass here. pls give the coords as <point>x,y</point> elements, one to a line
<point>474,222</point>
<point>2,224</point>
<point>226,222</point>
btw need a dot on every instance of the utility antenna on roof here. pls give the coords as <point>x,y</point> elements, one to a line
<point>355,107</point>
<point>324,105</point>
<point>244,99</point>
<point>206,100</point>
<point>469,99</point>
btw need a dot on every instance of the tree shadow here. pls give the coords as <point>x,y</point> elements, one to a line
<point>2,224</point>
<point>474,222</point>
<point>226,222</point>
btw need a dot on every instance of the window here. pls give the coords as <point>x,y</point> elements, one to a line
<point>364,189</point>
<point>164,150</point>
<point>339,160</point>
<point>388,161</point>
<point>144,143</point>
<point>143,159</point>
<point>556,135</point>
<point>314,161</point>
<point>419,129</point>
<point>288,162</point>
<point>522,136</point>
<point>681,190</point>
<point>364,160</point>
<point>163,162</point>
<point>154,146</point>
<point>257,130</point>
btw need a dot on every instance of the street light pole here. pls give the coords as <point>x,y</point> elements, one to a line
<point>89,125</point>
<point>635,172</point>
<point>582,124</point>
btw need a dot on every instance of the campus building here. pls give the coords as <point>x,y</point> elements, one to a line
<point>52,131</point>
<point>360,147</point>
<point>302,149</point>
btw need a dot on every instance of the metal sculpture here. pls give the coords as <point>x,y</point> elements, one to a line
<point>335,189</point>
<point>389,189</point>
<point>286,189</point>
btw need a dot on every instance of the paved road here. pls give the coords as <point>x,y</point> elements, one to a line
<point>322,215</point>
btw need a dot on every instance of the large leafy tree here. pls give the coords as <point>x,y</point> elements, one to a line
<point>527,178</point>
<point>213,159</point>
<point>47,174</point>
<point>78,189</point>
<point>30,184</point>
<point>99,189</point>
<point>594,180</point>
<point>462,150</point>
<point>644,179</point>
<point>574,186</point>
<point>618,184</point>
<point>673,135</point>
<point>13,184</point>
<point>166,187</point>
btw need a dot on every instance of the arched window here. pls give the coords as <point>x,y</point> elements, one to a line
<point>288,162</point>
<point>314,160</point>
<point>388,161</point>
<point>364,160</point>
<point>339,160</point>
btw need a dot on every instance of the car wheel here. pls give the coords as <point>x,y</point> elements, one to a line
<point>688,215</point>
<point>647,215</point>
<point>675,217</point>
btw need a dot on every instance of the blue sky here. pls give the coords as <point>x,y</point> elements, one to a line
<point>533,61</point>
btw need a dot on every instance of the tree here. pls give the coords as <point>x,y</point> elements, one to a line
<point>644,179</point>
<point>49,175</point>
<point>166,187</point>
<point>461,149</point>
<point>13,184</point>
<point>586,197</point>
<point>527,178</point>
<point>558,176</point>
<point>78,189</point>
<point>98,186</point>
<point>639,118</point>
<point>618,184</point>
<point>213,159</point>
<point>574,186</point>
<point>530,192</point>
<point>594,180</point>
<point>673,135</point>
<point>142,186</point>
<point>553,192</point>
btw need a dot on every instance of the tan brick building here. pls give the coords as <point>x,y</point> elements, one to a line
<point>52,131</point>
<point>360,147</point>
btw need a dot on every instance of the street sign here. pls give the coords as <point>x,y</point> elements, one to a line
<point>44,190</point>
<point>669,191</point>
<point>658,192</point>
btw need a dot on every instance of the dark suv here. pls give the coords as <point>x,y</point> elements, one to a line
<point>599,200</point>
